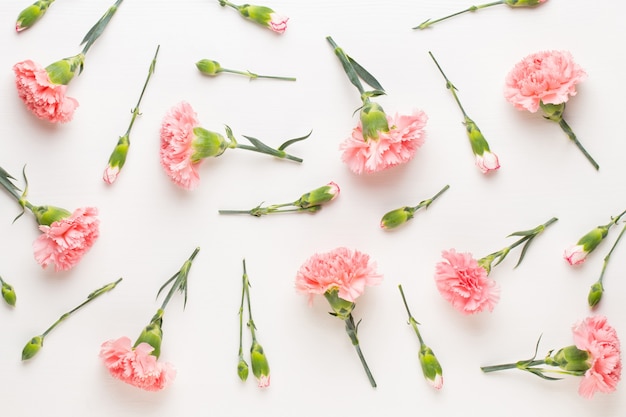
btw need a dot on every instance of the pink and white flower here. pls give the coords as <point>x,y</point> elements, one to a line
<point>465,284</point>
<point>575,255</point>
<point>136,365</point>
<point>487,162</point>
<point>597,337</point>
<point>278,23</point>
<point>42,97</point>
<point>395,147</point>
<point>64,242</point>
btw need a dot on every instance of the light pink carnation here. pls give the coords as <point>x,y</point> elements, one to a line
<point>392,148</point>
<point>487,162</point>
<point>342,269</point>
<point>597,337</point>
<point>548,76</point>
<point>136,366</point>
<point>575,255</point>
<point>65,241</point>
<point>44,99</point>
<point>110,174</point>
<point>176,150</point>
<point>278,23</point>
<point>465,284</point>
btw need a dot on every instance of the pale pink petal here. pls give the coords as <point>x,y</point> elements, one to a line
<point>487,162</point>
<point>575,255</point>
<point>278,23</point>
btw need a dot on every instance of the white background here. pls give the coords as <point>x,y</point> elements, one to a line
<point>149,226</point>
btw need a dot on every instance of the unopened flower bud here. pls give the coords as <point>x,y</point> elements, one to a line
<point>32,347</point>
<point>523,3</point>
<point>265,17</point>
<point>46,215</point>
<point>431,367</point>
<point>242,369</point>
<point>209,67</point>
<point>152,335</point>
<point>577,254</point>
<point>8,293</point>
<point>318,196</point>
<point>260,365</point>
<point>207,144</point>
<point>595,294</point>
<point>116,160</point>
<point>62,72</point>
<point>486,160</point>
<point>373,120</point>
<point>30,15</point>
<point>396,217</point>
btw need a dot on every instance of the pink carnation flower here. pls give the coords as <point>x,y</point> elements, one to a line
<point>342,269</point>
<point>392,148</point>
<point>65,241</point>
<point>43,98</point>
<point>575,255</point>
<point>487,162</point>
<point>278,23</point>
<point>548,76</point>
<point>598,338</point>
<point>176,146</point>
<point>136,366</point>
<point>464,283</point>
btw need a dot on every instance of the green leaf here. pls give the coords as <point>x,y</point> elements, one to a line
<point>97,29</point>
<point>540,373</point>
<point>292,141</point>
<point>5,181</point>
<point>365,75</point>
<point>524,249</point>
<point>262,147</point>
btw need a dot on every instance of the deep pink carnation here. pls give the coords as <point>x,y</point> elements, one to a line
<point>65,241</point>
<point>176,137</point>
<point>136,366</point>
<point>46,100</point>
<point>548,76</point>
<point>392,148</point>
<point>342,269</point>
<point>465,284</point>
<point>597,337</point>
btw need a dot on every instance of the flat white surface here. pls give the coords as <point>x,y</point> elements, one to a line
<point>149,226</point>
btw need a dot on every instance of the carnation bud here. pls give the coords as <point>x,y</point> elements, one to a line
<point>8,293</point>
<point>32,347</point>
<point>152,334</point>
<point>209,67</point>
<point>264,16</point>
<point>207,144</point>
<point>577,254</point>
<point>318,196</point>
<point>46,215</point>
<point>30,15</point>
<point>571,359</point>
<point>523,3</point>
<point>242,369</point>
<point>260,365</point>
<point>116,160</point>
<point>595,294</point>
<point>431,367</point>
<point>62,72</point>
<point>373,120</point>
<point>397,217</point>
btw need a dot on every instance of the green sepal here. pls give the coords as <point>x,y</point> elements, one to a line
<point>341,308</point>
<point>242,369</point>
<point>430,365</point>
<point>32,347</point>
<point>46,215</point>
<point>8,293</point>
<point>118,156</point>
<point>258,360</point>
<point>152,334</point>
<point>208,67</point>
<point>30,15</point>
<point>207,144</point>
<point>397,217</point>
<point>595,294</point>
<point>477,140</point>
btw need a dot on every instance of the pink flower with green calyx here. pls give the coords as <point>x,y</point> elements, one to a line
<point>510,3</point>
<point>400,216</point>
<point>137,364</point>
<point>213,68</point>
<point>43,89</point>
<point>258,359</point>
<point>118,156</point>
<point>486,160</point>
<point>35,344</point>
<point>310,202</point>
<point>30,15</point>
<point>261,15</point>
<point>577,254</point>
<point>595,357</point>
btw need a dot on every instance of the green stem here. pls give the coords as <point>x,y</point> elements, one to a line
<point>253,76</point>
<point>246,289</point>
<point>143,90</point>
<point>276,153</point>
<point>426,203</point>
<point>243,292</point>
<point>608,256</point>
<point>429,22</point>
<point>568,130</point>
<point>517,365</point>
<point>450,86</point>
<point>412,320</point>
<point>351,329</point>
<point>90,298</point>
<point>347,67</point>
<point>227,3</point>
<point>180,280</point>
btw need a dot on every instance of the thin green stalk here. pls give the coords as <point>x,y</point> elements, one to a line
<point>429,22</point>
<point>277,154</point>
<point>570,133</point>
<point>412,320</point>
<point>450,87</point>
<point>143,90</point>
<point>426,203</point>
<point>608,256</point>
<point>517,365</point>
<point>254,76</point>
<point>351,329</point>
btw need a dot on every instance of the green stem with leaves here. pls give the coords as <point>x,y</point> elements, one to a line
<point>351,330</point>
<point>97,29</point>
<point>430,22</point>
<point>180,281</point>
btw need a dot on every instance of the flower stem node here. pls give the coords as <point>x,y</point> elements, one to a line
<point>32,347</point>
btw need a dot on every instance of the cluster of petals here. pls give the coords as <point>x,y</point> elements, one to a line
<point>136,366</point>
<point>465,284</point>
<point>343,269</point>
<point>597,337</point>
<point>575,255</point>
<point>43,98</point>
<point>277,23</point>
<point>487,162</point>
<point>176,146</point>
<point>548,77</point>
<point>395,147</point>
<point>65,241</point>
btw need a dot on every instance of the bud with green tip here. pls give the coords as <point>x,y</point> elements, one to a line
<point>373,120</point>
<point>595,294</point>
<point>431,367</point>
<point>318,196</point>
<point>8,293</point>
<point>242,369</point>
<point>398,217</point>
<point>208,67</point>
<point>261,15</point>
<point>260,365</point>
<point>32,347</point>
<point>30,15</point>
<point>486,160</point>
<point>577,254</point>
